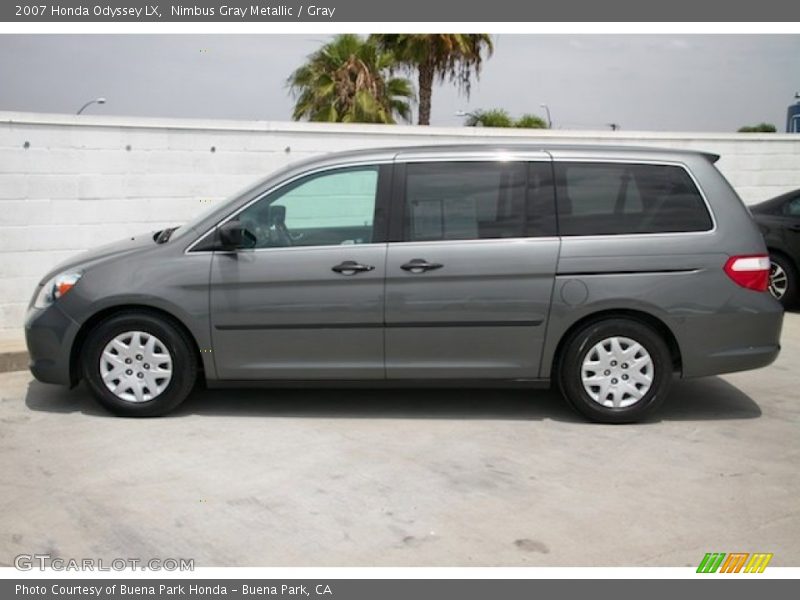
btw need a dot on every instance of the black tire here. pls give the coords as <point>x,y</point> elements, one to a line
<point>789,297</point>
<point>179,346</point>
<point>581,342</point>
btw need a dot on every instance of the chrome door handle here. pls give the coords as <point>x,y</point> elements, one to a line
<point>351,267</point>
<point>420,265</point>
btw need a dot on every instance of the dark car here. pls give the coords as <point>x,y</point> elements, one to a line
<point>779,220</point>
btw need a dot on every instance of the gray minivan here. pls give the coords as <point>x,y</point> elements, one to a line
<point>604,270</point>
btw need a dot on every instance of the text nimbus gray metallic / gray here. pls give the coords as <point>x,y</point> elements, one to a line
<point>410,10</point>
<point>154,11</point>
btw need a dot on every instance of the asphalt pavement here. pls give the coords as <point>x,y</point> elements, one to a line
<point>406,477</point>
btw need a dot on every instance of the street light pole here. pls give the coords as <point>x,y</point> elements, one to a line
<point>89,103</point>
<point>549,119</point>
<point>464,113</point>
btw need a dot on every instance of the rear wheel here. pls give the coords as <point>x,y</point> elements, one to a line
<point>138,364</point>
<point>782,279</point>
<point>615,370</point>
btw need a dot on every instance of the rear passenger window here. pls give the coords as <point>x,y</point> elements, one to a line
<point>477,200</point>
<point>609,199</point>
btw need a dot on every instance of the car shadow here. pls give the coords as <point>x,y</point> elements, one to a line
<point>710,398</point>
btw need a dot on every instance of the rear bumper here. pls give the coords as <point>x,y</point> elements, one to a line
<point>49,335</point>
<point>740,338</point>
<point>738,359</point>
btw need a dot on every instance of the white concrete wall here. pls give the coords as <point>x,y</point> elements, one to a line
<point>84,181</point>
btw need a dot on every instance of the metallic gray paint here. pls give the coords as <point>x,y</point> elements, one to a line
<point>487,283</point>
<point>497,310</point>
<point>277,293</point>
<point>159,277</point>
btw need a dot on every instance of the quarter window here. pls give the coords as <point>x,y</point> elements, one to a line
<point>331,208</point>
<point>608,199</point>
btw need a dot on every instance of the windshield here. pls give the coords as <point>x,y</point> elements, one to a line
<point>215,206</point>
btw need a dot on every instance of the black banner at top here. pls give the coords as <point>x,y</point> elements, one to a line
<point>442,11</point>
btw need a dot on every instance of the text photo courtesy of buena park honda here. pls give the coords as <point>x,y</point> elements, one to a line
<point>419,300</point>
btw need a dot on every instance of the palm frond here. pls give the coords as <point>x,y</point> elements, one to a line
<point>350,80</point>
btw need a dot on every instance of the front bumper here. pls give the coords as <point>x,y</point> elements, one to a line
<point>49,335</point>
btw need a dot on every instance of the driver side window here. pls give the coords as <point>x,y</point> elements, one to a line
<point>325,209</point>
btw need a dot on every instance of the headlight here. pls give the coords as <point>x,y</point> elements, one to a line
<point>56,287</point>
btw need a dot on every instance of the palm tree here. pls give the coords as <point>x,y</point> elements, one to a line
<point>453,56</point>
<point>495,117</point>
<point>531,121</point>
<point>760,128</point>
<point>499,117</point>
<point>349,80</point>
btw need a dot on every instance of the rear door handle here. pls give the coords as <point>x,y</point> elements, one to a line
<point>351,267</point>
<point>794,227</point>
<point>420,265</point>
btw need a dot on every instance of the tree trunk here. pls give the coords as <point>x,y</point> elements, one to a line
<point>425,91</point>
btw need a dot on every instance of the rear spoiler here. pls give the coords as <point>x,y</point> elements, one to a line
<point>712,158</point>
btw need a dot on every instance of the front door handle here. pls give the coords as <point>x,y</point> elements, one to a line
<point>420,265</point>
<point>351,267</point>
<point>794,227</point>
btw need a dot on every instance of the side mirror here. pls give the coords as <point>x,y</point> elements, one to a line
<point>233,236</point>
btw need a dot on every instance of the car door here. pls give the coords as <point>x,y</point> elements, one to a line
<point>305,299</point>
<point>470,270</point>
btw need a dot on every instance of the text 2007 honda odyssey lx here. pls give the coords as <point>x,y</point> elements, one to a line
<point>605,270</point>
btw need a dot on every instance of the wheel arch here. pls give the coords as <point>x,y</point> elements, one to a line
<point>110,311</point>
<point>636,315</point>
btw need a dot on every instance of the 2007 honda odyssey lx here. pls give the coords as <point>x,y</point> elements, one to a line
<point>605,270</point>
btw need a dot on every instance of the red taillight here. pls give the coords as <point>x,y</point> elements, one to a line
<point>751,272</point>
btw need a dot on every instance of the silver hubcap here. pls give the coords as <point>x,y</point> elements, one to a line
<point>136,366</point>
<point>617,372</point>
<point>778,281</point>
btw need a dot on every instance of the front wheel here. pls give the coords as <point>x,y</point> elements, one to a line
<point>138,364</point>
<point>615,371</point>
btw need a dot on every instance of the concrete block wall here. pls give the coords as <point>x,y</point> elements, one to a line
<point>68,183</point>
